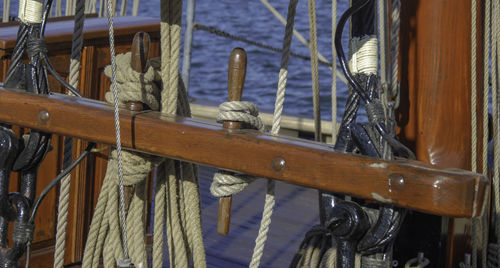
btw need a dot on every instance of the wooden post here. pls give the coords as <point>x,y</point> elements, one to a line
<point>236,72</point>
<point>138,60</point>
<point>435,112</point>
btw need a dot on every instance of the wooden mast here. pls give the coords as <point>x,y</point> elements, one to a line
<point>435,112</point>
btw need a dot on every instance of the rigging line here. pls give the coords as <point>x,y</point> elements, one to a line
<point>65,186</point>
<point>297,34</point>
<point>59,177</point>
<point>334,71</point>
<point>213,30</point>
<point>496,124</point>
<point>109,14</point>
<point>314,69</point>
<point>49,187</point>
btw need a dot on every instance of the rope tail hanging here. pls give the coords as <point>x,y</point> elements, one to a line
<point>176,202</point>
<point>74,73</point>
<point>278,110</point>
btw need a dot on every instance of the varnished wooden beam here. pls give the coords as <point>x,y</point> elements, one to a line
<point>409,184</point>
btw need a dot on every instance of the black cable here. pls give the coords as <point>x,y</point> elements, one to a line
<point>48,6</point>
<point>340,52</point>
<point>57,179</point>
<point>58,77</point>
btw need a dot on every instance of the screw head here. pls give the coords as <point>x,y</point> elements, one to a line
<point>278,164</point>
<point>43,116</point>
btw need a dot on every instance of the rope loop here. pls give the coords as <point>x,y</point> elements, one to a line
<point>136,166</point>
<point>129,81</point>
<point>241,111</point>
<point>228,184</point>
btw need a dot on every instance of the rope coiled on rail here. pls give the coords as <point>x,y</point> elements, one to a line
<point>103,235</point>
<point>225,184</point>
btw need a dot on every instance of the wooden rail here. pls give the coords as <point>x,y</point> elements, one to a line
<point>409,184</point>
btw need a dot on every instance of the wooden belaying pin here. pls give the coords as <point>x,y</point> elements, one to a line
<point>138,60</point>
<point>235,81</point>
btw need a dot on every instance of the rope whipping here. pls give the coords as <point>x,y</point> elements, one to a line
<point>103,234</point>
<point>176,203</point>
<point>74,73</point>
<point>278,111</point>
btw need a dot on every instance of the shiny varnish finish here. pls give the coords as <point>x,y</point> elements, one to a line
<point>435,112</point>
<point>88,176</point>
<point>410,184</point>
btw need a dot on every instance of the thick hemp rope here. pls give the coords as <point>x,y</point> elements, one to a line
<point>278,110</point>
<point>74,73</point>
<point>176,202</point>
<point>104,234</point>
<point>224,184</point>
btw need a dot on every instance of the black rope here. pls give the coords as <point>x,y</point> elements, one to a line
<point>213,30</point>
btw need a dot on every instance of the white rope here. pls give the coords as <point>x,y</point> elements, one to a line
<point>395,26</point>
<point>299,36</point>
<point>278,110</point>
<point>314,69</point>
<point>6,10</point>
<point>227,184</point>
<point>135,7</point>
<point>364,55</point>
<point>334,71</point>
<point>496,120</point>
<point>30,11</point>
<point>241,111</point>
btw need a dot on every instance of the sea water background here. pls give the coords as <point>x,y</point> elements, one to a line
<point>251,20</point>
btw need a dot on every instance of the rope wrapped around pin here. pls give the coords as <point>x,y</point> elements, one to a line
<point>241,111</point>
<point>129,81</point>
<point>103,237</point>
<point>225,184</point>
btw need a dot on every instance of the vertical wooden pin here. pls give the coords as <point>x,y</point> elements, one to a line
<point>235,81</point>
<point>138,61</point>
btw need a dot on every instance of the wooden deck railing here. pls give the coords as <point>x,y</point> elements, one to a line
<point>404,183</point>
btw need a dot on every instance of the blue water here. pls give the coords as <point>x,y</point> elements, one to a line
<point>251,20</point>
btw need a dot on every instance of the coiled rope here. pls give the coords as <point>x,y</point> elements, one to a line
<point>103,235</point>
<point>225,184</point>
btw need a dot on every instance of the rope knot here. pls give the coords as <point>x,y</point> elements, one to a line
<point>136,166</point>
<point>241,111</point>
<point>132,85</point>
<point>228,184</point>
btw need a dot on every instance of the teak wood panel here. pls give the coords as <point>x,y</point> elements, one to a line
<point>403,183</point>
<point>435,112</point>
<point>87,177</point>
